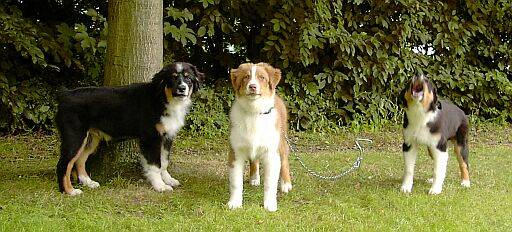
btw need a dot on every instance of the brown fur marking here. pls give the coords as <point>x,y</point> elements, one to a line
<point>464,172</point>
<point>168,94</point>
<point>428,96</point>
<point>89,149</point>
<point>254,167</point>
<point>231,158</point>
<point>68,187</point>
<point>160,128</point>
<point>408,97</point>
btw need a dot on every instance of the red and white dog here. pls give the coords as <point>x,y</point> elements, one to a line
<point>258,128</point>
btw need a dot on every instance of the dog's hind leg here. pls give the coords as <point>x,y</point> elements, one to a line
<point>430,152</point>
<point>461,151</point>
<point>254,173</point>
<point>286,180</point>
<point>440,163</point>
<point>93,139</point>
<point>73,143</point>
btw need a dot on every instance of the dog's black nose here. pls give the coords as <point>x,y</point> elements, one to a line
<point>252,87</point>
<point>182,88</point>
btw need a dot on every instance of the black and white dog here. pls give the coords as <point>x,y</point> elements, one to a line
<point>152,112</point>
<point>430,122</point>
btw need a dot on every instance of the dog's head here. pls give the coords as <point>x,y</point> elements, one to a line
<point>178,80</point>
<point>421,91</point>
<point>253,81</point>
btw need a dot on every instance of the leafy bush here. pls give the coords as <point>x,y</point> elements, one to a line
<point>344,63</point>
<point>209,114</point>
<point>38,59</point>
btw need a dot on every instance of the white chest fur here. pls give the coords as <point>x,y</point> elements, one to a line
<point>417,130</point>
<point>174,116</point>
<point>253,133</point>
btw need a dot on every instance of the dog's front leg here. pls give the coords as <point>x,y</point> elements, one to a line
<point>410,151</point>
<point>272,167</point>
<point>236,181</point>
<point>151,163</point>
<point>165,155</point>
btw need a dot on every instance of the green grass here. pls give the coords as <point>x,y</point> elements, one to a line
<point>367,200</point>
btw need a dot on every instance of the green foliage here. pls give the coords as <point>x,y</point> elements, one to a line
<point>208,116</point>
<point>37,59</point>
<point>344,63</point>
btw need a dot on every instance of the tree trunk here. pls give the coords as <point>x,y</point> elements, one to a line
<point>134,54</point>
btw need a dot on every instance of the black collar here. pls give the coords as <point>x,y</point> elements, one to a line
<point>268,111</point>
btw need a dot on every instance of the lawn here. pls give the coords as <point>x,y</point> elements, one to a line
<point>366,200</point>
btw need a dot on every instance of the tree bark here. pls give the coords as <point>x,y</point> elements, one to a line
<point>134,54</point>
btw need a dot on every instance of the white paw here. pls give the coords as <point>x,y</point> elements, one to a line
<point>270,205</point>
<point>406,188</point>
<point>170,181</point>
<point>286,187</point>
<point>88,182</point>
<point>255,181</point>
<point>430,180</point>
<point>162,187</point>
<point>434,190</point>
<point>235,204</point>
<point>92,184</point>
<point>75,192</point>
<point>465,183</point>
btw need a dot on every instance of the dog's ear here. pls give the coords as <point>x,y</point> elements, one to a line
<point>232,76</point>
<point>198,79</point>
<point>160,76</point>
<point>274,74</point>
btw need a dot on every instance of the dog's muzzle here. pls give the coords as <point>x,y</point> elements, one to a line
<point>417,87</point>
<point>182,90</point>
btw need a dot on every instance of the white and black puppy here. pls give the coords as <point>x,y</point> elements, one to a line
<point>432,123</point>
<point>152,112</point>
<point>258,129</point>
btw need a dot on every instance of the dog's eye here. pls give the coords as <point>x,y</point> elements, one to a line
<point>247,77</point>
<point>261,78</point>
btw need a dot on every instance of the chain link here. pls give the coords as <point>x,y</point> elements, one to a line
<point>354,166</point>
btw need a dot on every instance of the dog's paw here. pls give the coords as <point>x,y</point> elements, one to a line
<point>434,190</point>
<point>92,184</point>
<point>286,187</point>
<point>465,183</point>
<point>270,205</point>
<point>75,192</point>
<point>254,182</point>
<point>88,182</point>
<point>170,181</point>
<point>406,188</point>
<point>235,204</point>
<point>162,187</point>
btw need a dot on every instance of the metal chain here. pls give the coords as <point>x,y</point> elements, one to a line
<point>355,166</point>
